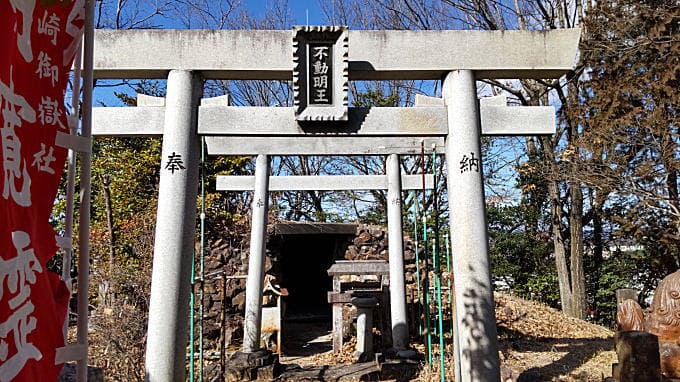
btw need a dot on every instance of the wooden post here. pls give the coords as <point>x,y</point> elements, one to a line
<point>626,294</point>
<point>638,354</point>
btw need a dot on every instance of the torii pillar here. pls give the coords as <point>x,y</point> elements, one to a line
<point>258,241</point>
<point>175,230</point>
<point>477,348</point>
<point>396,255</point>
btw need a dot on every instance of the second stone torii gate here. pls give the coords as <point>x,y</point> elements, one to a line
<point>393,181</point>
<point>371,55</point>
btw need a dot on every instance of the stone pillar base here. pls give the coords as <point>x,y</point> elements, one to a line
<point>397,355</point>
<point>400,370</point>
<point>260,365</point>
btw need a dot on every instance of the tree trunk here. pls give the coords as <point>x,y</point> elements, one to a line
<point>578,278</point>
<point>672,185</point>
<point>531,198</point>
<point>560,249</point>
<point>106,180</point>
<point>598,242</point>
<point>559,246</point>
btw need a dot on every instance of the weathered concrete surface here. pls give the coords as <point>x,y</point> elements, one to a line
<point>337,65</point>
<point>174,240</point>
<point>319,145</point>
<point>383,121</point>
<point>321,183</point>
<point>477,352</point>
<point>238,120</point>
<point>144,100</point>
<point>364,346</point>
<point>128,121</point>
<point>361,267</point>
<point>381,55</point>
<point>396,254</point>
<point>516,120</point>
<point>258,245</point>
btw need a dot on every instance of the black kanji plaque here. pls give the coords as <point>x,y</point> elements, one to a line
<point>320,57</point>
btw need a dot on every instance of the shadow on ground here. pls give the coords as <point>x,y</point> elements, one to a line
<point>306,338</point>
<point>562,355</point>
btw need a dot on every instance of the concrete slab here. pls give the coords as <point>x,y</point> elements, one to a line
<point>359,267</point>
<point>321,182</point>
<point>320,145</point>
<point>427,121</point>
<point>128,121</point>
<point>373,55</point>
<point>296,228</point>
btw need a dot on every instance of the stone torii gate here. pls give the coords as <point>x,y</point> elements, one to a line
<point>453,124</point>
<point>394,182</point>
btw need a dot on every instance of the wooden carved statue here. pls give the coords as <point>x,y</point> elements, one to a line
<point>663,320</point>
<point>629,316</point>
<point>664,315</point>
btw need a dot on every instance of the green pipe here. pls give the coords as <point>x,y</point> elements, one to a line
<point>202,249</point>
<point>438,285</point>
<point>435,229</point>
<point>191,321</point>
<point>415,243</point>
<point>426,289</point>
<point>435,247</point>
<point>426,286</point>
<point>436,266</point>
<point>448,279</point>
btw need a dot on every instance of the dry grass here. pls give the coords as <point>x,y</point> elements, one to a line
<point>538,343</point>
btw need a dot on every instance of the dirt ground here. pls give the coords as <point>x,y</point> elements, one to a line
<point>308,344</point>
<point>536,343</point>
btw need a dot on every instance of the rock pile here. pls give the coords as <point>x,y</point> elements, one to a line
<point>371,243</point>
<point>224,288</point>
<point>226,264</point>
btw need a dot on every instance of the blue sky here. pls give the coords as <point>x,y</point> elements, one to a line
<point>299,10</point>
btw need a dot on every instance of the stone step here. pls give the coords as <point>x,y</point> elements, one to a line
<point>367,371</point>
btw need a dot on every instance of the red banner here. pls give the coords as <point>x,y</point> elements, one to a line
<point>37,47</point>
